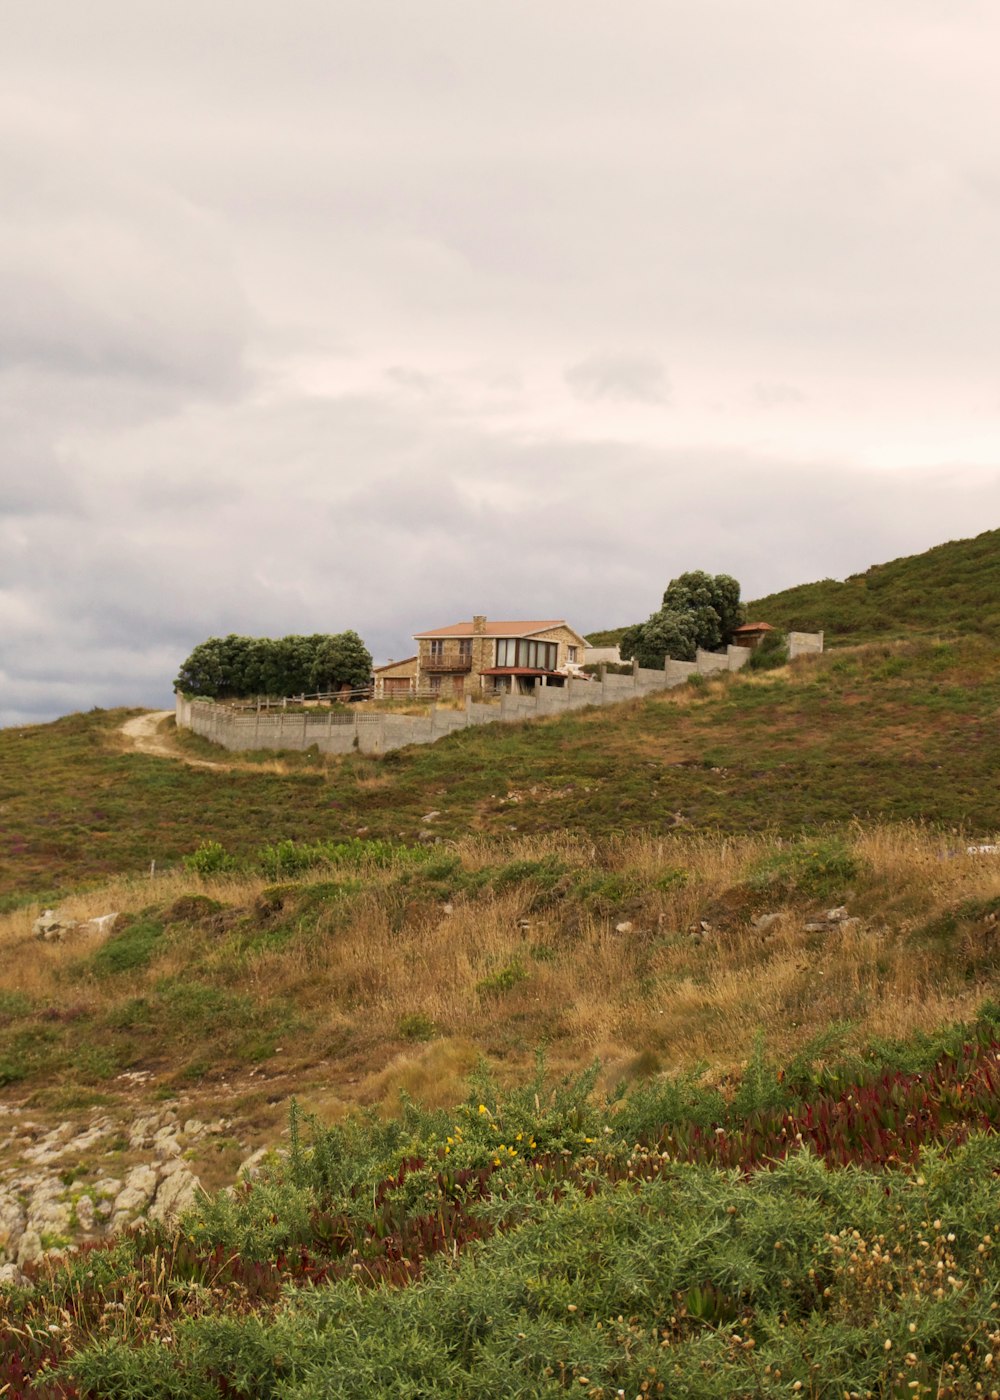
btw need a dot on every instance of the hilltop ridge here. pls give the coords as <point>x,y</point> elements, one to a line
<point>952,589</point>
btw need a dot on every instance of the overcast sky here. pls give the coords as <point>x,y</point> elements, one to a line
<point>318,315</point>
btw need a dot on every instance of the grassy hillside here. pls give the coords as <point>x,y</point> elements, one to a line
<point>746,905</point>
<point>350,970</point>
<point>904,731</point>
<point>952,590</point>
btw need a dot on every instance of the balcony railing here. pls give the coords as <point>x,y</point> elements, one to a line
<point>446,663</point>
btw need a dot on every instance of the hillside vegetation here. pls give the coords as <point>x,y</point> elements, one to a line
<point>349,970</point>
<point>952,590</point>
<point>901,731</point>
<point>650,1050</point>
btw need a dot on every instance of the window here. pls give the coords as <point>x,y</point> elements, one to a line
<point>435,684</point>
<point>571,653</point>
<point>437,649</point>
<point>532,655</point>
<point>465,648</point>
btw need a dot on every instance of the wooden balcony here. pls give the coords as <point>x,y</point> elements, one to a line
<point>436,665</point>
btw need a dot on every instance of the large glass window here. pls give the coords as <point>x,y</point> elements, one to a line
<point>535,656</point>
<point>437,649</point>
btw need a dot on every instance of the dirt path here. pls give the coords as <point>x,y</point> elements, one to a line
<point>143,733</point>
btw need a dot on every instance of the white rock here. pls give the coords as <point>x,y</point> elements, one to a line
<point>51,1145</point>
<point>836,916</point>
<point>177,1191</point>
<point>626,926</point>
<point>11,1277</point>
<point>135,1195</point>
<point>51,926</point>
<point>85,1215</point>
<point>165,1142</point>
<point>97,926</point>
<point>29,1249</point>
<point>251,1167</point>
<point>143,1131</point>
<point>12,1221</point>
<point>48,1212</point>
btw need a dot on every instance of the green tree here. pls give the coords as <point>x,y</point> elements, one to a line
<point>234,666</point>
<point>698,610</point>
<point>342,659</point>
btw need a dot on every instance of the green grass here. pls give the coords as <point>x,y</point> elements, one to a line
<point>897,731</point>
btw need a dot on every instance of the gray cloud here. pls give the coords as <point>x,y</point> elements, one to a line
<point>628,378</point>
<point>288,306</point>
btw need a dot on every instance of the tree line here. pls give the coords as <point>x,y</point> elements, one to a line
<point>236,667</point>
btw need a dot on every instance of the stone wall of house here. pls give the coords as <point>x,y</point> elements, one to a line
<point>566,638</point>
<point>395,671</point>
<point>375,732</point>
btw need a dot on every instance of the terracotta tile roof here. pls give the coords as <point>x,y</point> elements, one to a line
<point>492,629</point>
<point>754,627</point>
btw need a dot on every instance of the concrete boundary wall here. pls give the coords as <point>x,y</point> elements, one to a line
<point>373,732</point>
<point>804,644</point>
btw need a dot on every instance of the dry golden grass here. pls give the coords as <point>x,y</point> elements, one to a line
<point>503,972</point>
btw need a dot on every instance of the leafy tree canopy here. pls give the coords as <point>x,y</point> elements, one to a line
<point>698,610</point>
<point>241,666</point>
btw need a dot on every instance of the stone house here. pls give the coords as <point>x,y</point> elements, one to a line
<point>484,656</point>
<point>396,679</point>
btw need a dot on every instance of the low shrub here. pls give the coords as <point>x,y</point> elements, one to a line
<point>130,948</point>
<point>503,979</point>
<point>823,868</point>
<point>210,858</point>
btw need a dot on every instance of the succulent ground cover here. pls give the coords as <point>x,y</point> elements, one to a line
<point>534,1239</point>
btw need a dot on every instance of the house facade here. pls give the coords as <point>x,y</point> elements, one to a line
<point>396,679</point>
<point>485,657</point>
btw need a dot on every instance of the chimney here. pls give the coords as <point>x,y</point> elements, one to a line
<point>478,626</point>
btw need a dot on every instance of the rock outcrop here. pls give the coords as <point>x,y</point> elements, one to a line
<point>53,1198</point>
